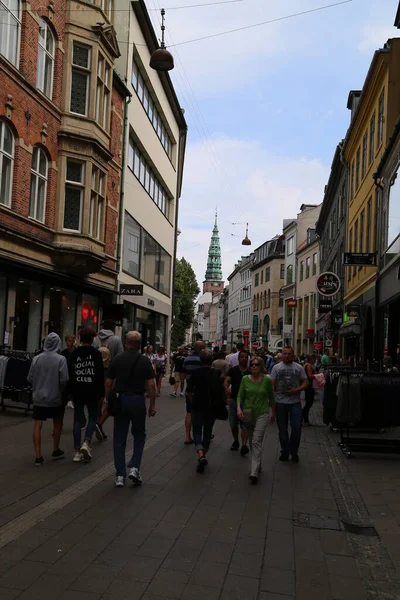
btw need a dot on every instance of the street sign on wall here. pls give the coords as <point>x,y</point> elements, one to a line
<point>361,259</point>
<point>325,304</point>
<point>328,284</point>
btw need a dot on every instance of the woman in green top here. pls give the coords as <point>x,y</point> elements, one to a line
<point>255,398</point>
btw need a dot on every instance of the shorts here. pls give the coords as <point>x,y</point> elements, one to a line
<point>42,413</point>
<point>188,405</point>
<point>179,375</point>
<point>160,372</point>
<point>234,420</point>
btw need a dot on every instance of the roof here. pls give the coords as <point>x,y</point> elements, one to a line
<point>397,19</point>
<point>336,168</point>
<point>120,85</point>
<point>150,36</point>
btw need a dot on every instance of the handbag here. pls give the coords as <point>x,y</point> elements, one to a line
<point>114,399</point>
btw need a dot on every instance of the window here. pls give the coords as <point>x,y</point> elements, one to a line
<point>352,181</point>
<point>372,138</point>
<point>106,7</point>
<point>39,170</point>
<point>144,258</point>
<point>290,246</point>
<point>289,275</point>
<point>358,157</point>
<point>103,92</point>
<point>80,79</point>
<point>288,314</point>
<point>350,250</point>
<point>264,301</point>
<point>308,264</point>
<point>302,270</point>
<point>315,263</point>
<point>45,66</point>
<point>6,162</point>
<point>256,280</point>
<point>280,298</point>
<point>10,29</point>
<point>267,274</point>
<point>269,299</point>
<point>149,106</point>
<point>262,277</point>
<point>74,188</point>
<point>97,203</point>
<point>355,242</point>
<point>362,221</point>
<point>369,224</point>
<point>282,273</point>
<point>381,117</point>
<point>144,173</point>
<point>364,155</point>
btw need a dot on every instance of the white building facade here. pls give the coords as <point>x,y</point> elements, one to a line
<point>155,147</point>
<point>239,306</point>
<point>289,288</point>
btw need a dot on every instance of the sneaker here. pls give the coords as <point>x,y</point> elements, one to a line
<point>85,450</point>
<point>235,445</point>
<point>70,405</point>
<point>295,458</point>
<point>39,461</point>
<point>284,458</point>
<point>253,479</point>
<point>244,450</point>
<point>135,476</point>
<point>119,481</point>
<point>57,454</point>
<point>173,394</point>
<point>78,457</point>
<point>182,395</point>
<point>202,463</point>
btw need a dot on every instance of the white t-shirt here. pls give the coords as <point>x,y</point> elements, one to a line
<point>287,376</point>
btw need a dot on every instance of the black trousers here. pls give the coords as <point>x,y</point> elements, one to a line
<point>309,393</point>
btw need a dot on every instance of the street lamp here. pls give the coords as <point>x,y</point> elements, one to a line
<point>246,241</point>
<point>161,59</point>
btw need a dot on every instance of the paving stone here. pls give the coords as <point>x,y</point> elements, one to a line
<point>246,565</point>
<point>170,584</point>
<point>95,579</point>
<point>213,573</point>
<point>280,525</point>
<point>346,588</point>
<point>168,529</point>
<point>270,596</point>
<point>219,552</point>
<point>140,568</point>
<point>8,594</point>
<point>121,589</point>
<point>344,566</point>
<point>250,545</point>
<point>22,575</point>
<point>47,587</point>
<point>74,595</point>
<point>335,542</point>
<point>279,581</point>
<point>156,547</point>
<point>239,588</point>
<point>200,592</point>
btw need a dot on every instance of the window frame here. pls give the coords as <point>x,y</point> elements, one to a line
<point>301,271</point>
<point>372,138</point>
<point>42,49</point>
<point>358,167</point>
<point>85,70</point>
<point>315,263</point>
<point>37,176</point>
<point>381,117</point>
<point>10,157</point>
<point>364,155</point>
<point>98,188</point>
<point>290,246</point>
<point>308,267</point>
<point>12,18</point>
<point>103,92</point>
<point>75,184</point>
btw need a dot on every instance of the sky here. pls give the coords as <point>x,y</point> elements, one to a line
<point>265,108</point>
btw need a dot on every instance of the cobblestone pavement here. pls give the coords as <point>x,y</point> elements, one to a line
<point>324,529</point>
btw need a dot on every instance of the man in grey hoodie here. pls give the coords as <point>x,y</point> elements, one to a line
<point>107,338</point>
<point>48,376</point>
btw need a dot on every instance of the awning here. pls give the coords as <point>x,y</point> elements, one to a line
<point>350,328</point>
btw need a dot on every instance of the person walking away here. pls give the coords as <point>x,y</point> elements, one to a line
<point>231,353</point>
<point>207,397</point>
<point>289,380</point>
<point>254,402</point>
<point>178,358</point>
<point>48,376</point>
<point>221,364</point>
<point>129,375</point>
<point>232,386</point>
<point>233,359</point>
<point>191,364</point>
<point>160,365</point>
<point>269,364</point>
<point>106,338</point>
<point>86,385</point>
<point>67,352</point>
<point>309,392</point>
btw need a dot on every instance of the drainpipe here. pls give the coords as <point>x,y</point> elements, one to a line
<point>122,192</point>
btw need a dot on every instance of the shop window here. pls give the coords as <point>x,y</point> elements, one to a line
<point>37,206</point>
<point>27,316</point>
<point>74,189</point>
<point>6,161</point>
<point>3,306</point>
<point>45,66</point>
<point>10,29</point>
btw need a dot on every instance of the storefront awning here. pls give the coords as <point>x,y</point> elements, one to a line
<point>350,328</point>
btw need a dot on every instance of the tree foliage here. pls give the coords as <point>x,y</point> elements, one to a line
<point>185,291</point>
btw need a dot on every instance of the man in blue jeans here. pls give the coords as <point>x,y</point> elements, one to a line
<point>131,374</point>
<point>289,380</point>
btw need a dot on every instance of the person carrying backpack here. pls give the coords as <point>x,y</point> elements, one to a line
<point>107,339</point>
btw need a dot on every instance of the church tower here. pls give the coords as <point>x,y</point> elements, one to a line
<point>213,281</point>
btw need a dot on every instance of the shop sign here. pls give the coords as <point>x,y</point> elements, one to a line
<point>150,302</point>
<point>131,289</point>
<point>114,312</point>
<point>328,284</point>
<point>328,344</point>
<point>317,346</point>
<point>361,259</point>
<point>353,311</point>
<point>337,318</point>
<point>292,303</point>
<point>6,339</point>
<point>246,333</point>
<point>310,333</point>
<point>255,345</point>
<point>265,338</point>
<point>325,305</point>
<point>255,323</point>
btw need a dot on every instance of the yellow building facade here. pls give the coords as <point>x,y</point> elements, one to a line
<point>375,111</point>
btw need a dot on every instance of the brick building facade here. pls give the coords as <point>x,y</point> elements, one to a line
<point>62,111</point>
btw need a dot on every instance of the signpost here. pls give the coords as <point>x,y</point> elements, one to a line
<point>131,289</point>
<point>328,284</point>
<point>361,259</point>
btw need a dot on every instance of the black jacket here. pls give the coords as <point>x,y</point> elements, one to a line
<point>86,375</point>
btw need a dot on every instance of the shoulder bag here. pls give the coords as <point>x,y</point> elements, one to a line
<point>114,400</point>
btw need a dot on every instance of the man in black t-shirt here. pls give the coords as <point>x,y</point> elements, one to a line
<point>178,358</point>
<point>232,385</point>
<point>131,374</point>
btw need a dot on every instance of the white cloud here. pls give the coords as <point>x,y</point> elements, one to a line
<point>251,183</point>
<point>375,36</point>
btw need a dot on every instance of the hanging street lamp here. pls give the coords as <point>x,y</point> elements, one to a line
<point>246,241</point>
<point>161,59</point>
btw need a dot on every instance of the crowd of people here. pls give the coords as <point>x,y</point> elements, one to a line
<point>102,377</point>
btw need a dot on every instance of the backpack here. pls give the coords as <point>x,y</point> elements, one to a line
<point>105,353</point>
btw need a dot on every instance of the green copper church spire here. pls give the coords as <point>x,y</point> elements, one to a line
<point>214,266</point>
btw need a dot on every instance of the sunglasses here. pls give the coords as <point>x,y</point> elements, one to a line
<point>256,364</point>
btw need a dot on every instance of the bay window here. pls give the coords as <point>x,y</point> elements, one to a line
<point>74,191</point>
<point>80,81</point>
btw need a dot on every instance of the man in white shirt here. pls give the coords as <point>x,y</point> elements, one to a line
<point>233,359</point>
